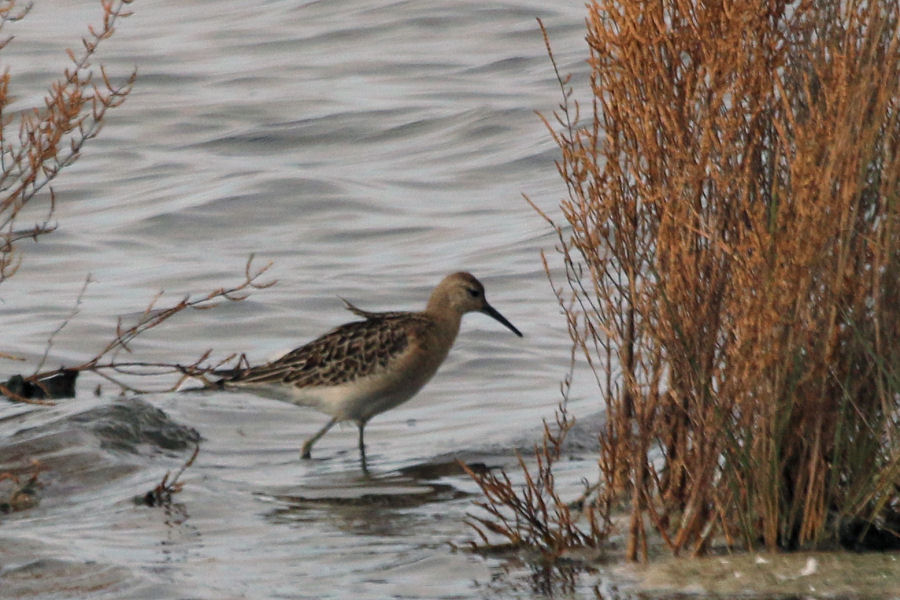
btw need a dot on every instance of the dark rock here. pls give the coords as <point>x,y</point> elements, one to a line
<point>57,386</point>
<point>131,422</point>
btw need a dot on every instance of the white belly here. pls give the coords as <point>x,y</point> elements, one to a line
<point>357,400</point>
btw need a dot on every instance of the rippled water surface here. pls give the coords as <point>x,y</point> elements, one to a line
<point>368,149</point>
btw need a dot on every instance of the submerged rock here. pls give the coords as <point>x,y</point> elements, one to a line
<point>129,423</point>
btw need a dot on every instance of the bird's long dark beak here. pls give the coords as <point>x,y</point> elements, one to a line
<point>492,312</point>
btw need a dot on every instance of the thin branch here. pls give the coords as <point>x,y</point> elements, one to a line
<point>105,364</point>
<point>62,325</point>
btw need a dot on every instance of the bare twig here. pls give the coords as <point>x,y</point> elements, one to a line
<point>161,495</point>
<point>105,362</point>
<point>62,325</point>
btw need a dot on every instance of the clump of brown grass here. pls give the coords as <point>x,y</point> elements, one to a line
<point>732,265</point>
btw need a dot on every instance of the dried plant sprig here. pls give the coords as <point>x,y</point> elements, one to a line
<point>51,138</point>
<point>533,516</point>
<point>9,14</point>
<point>161,494</point>
<point>24,495</point>
<point>49,345</point>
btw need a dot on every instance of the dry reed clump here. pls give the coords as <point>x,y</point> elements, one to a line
<point>731,244</point>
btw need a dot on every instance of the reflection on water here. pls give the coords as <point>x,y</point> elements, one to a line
<point>363,511</point>
<point>369,149</point>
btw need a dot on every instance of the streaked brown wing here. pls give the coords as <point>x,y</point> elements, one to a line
<point>351,351</point>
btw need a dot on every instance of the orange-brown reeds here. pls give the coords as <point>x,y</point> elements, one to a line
<point>732,253</point>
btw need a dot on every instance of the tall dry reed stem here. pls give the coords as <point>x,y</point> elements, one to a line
<point>732,252</point>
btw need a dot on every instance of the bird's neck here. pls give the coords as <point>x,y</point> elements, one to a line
<point>446,317</point>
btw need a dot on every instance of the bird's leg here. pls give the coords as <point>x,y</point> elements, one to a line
<point>362,447</point>
<point>308,444</point>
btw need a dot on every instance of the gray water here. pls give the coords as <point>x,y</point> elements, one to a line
<point>367,149</point>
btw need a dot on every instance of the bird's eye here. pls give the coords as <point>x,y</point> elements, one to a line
<point>474,293</point>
